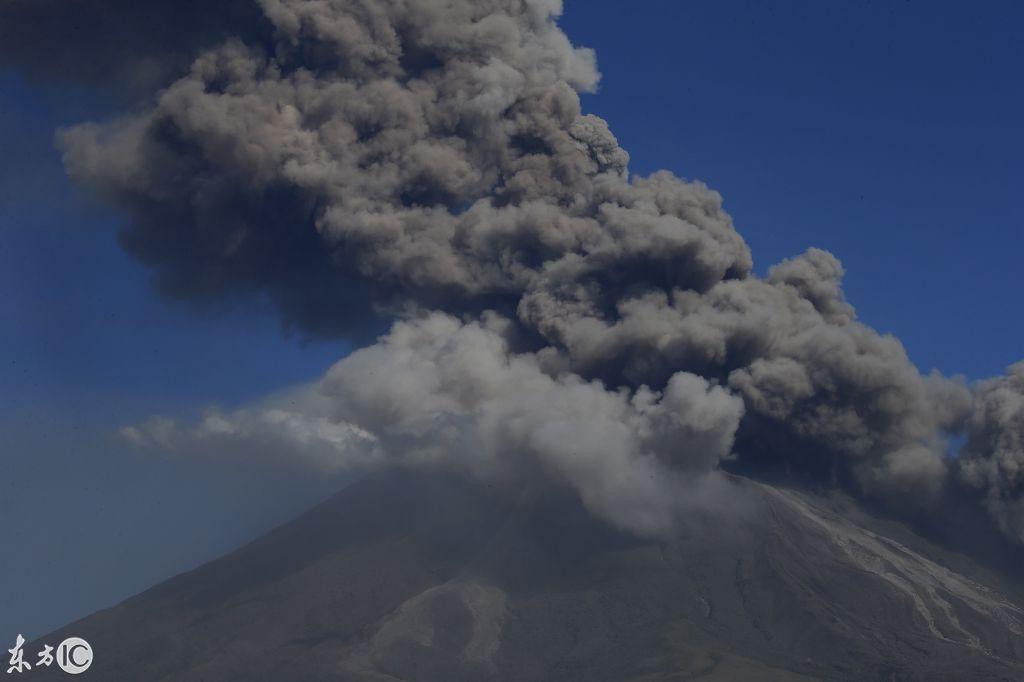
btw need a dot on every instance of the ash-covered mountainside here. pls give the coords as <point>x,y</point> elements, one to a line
<point>427,579</point>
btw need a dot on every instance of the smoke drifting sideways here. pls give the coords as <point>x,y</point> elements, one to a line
<point>554,316</point>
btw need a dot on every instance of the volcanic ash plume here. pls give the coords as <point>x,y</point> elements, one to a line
<point>993,459</point>
<point>428,162</point>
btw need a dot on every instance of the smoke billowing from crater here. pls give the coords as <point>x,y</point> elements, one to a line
<point>428,162</point>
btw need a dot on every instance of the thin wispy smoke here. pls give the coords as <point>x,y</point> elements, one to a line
<point>555,316</point>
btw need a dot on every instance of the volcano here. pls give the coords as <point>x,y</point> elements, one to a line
<point>438,579</point>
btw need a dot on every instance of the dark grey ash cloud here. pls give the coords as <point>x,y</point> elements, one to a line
<point>429,162</point>
<point>126,47</point>
<point>992,461</point>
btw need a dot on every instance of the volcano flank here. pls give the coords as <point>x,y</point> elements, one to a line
<point>437,579</point>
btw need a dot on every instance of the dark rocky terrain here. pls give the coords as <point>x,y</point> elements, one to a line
<point>437,580</point>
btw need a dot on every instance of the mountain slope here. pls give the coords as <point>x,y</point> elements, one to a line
<point>436,579</point>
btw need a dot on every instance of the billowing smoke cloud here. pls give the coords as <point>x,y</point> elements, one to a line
<point>124,47</point>
<point>360,160</point>
<point>437,392</point>
<point>993,459</point>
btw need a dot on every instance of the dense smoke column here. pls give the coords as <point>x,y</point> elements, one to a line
<point>428,161</point>
<point>992,461</point>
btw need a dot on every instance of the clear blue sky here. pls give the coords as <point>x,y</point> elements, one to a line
<point>887,132</point>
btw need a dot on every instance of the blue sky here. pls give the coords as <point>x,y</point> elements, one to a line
<point>886,132</point>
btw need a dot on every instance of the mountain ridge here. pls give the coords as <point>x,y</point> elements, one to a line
<point>425,578</point>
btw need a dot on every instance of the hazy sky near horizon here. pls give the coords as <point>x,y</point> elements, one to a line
<point>885,132</point>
